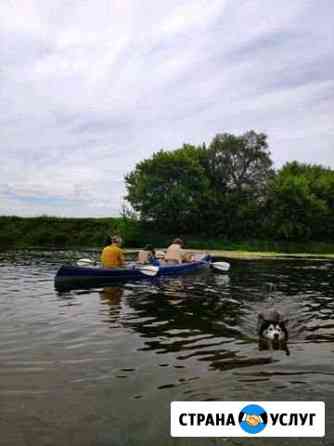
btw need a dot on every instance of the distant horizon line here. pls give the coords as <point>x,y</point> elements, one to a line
<point>54,216</point>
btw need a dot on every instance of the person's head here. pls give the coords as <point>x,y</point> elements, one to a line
<point>116,240</point>
<point>178,241</point>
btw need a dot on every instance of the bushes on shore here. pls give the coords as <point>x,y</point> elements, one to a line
<point>64,232</point>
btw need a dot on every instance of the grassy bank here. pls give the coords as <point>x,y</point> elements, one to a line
<point>53,232</point>
<point>253,255</point>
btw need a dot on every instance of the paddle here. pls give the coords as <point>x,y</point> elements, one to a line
<point>86,262</point>
<point>220,266</point>
<point>147,270</point>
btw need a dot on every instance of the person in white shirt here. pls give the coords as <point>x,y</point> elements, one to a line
<point>176,254</point>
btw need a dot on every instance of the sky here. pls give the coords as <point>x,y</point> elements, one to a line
<point>88,88</point>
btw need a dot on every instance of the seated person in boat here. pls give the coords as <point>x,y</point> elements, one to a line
<point>147,256</point>
<point>112,255</point>
<point>176,254</point>
<point>160,255</point>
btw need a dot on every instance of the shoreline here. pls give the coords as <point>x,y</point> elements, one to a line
<point>257,255</point>
<point>232,254</point>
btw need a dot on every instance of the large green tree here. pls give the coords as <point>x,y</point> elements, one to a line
<point>301,202</point>
<point>170,189</point>
<point>240,163</point>
<point>239,168</point>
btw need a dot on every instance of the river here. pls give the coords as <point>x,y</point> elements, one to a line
<point>100,366</point>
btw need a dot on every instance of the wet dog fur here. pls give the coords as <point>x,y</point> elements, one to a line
<point>272,331</point>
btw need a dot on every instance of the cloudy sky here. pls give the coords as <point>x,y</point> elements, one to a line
<point>90,87</point>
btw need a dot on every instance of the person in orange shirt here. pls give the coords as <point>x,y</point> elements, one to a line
<point>112,255</point>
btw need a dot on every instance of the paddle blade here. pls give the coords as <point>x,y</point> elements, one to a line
<point>220,266</point>
<point>85,262</point>
<point>148,270</point>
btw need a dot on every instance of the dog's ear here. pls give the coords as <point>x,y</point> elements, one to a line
<point>283,323</point>
<point>260,317</point>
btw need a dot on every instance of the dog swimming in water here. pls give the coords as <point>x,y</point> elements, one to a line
<point>272,331</point>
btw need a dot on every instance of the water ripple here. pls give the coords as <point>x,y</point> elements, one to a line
<point>140,345</point>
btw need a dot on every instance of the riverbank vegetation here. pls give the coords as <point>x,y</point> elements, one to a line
<point>222,196</point>
<point>59,233</point>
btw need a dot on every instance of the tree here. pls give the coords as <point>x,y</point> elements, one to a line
<point>300,204</point>
<point>239,168</point>
<point>240,163</point>
<point>170,189</point>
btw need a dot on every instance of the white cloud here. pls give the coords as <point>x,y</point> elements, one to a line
<point>87,90</point>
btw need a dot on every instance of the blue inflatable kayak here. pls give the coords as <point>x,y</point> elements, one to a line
<point>72,274</point>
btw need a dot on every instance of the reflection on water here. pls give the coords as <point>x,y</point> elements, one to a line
<point>111,295</point>
<point>101,365</point>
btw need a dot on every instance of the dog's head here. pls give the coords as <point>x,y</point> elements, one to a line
<point>272,331</point>
<point>272,326</point>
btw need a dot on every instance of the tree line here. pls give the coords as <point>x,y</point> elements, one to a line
<point>229,189</point>
<point>58,232</point>
<point>214,196</point>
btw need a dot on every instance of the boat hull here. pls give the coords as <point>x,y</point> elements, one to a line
<point>69,275</point>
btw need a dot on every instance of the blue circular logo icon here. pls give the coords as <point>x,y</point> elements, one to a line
<point>253,419</point>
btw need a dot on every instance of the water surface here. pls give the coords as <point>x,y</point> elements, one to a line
<point>100,366</point>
